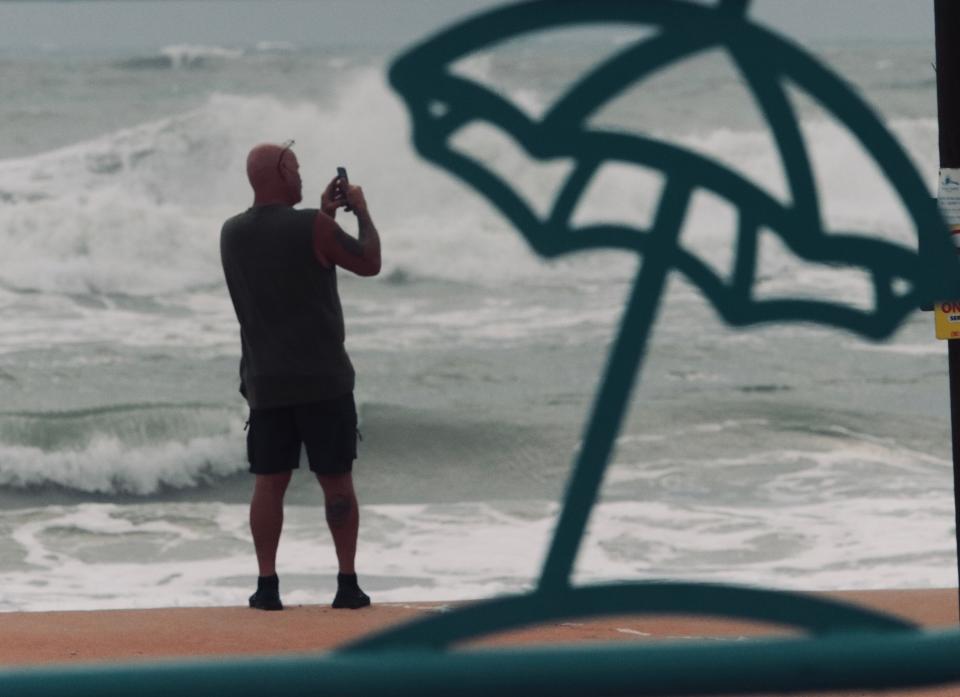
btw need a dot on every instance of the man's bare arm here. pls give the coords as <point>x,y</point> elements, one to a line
<point>367,232</point>
<point>334,246</point>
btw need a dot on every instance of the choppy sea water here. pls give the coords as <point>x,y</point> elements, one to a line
<point>789,456</point>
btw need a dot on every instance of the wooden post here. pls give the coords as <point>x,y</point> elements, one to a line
<point>947,20</point>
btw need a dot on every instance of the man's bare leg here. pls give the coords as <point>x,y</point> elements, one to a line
<point>343,518</point>
<point>266,518</point>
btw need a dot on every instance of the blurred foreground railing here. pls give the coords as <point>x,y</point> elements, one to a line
<point>847,648</point>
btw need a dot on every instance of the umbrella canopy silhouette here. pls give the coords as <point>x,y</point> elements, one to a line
<point>441,102</point>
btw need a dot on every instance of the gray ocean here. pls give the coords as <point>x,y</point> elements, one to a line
<point>791,456</point>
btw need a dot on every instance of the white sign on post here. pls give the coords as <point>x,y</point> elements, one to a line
<point>948,196</point>
<point>947,313</point>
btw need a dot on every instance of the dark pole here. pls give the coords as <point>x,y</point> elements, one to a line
<point>947,21</point>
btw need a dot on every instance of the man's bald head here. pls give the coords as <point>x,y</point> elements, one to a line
<point>274,174</point>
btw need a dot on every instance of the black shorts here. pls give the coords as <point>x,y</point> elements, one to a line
<point>328,429</point>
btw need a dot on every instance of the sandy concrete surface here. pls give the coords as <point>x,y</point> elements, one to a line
<point>32,638</point>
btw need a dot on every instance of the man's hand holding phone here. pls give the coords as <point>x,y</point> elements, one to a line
<point>333,246</point>
<point>351,196</point>
<point>332,198</point>
<point>341,194</point>
<point>343,186</point>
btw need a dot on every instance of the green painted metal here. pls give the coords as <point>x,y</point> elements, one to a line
<point>845,647</point>
<point>846,661</point>
<point>441,102</point>
<point>792,610</point>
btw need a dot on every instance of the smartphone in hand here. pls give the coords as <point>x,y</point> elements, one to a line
<point>344,182</point>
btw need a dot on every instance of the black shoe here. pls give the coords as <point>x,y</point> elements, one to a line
<point>267,596</point>
<point>350,598</point>
<point>265,601</point>
<point>349,594</point>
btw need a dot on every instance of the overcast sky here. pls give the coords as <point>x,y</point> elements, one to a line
<point>127,24</point>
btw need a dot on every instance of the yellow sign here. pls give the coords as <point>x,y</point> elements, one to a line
<point>947,314</point>
<point>947,318</point>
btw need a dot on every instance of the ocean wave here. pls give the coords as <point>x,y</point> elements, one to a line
<point>106,466</point>
<point>138,211</point>
<point>275,46</point>
<point>179,56</point>
<point>199,56</point>
<point>124,449</point>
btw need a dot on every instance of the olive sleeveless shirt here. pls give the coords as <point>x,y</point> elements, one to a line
<point>291,321</point>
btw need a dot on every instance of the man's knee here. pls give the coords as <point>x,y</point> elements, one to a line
<point>274,485</point>
<point>334,484</point>
<point>339,510</point>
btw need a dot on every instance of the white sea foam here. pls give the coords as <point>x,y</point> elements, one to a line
<point>138,211</point>
<point>275,46</point>
<point>100,556</point>
<point>820,472</point>
<point>204,321</point>
<point>192,55</point>
<point>491,322</point>
<point>931,348</point>
<point>855,199</point>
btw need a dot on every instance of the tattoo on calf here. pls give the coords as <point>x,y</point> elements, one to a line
<point>338,510</point>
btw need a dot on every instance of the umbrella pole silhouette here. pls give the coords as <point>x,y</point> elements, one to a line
<point>612,400</point>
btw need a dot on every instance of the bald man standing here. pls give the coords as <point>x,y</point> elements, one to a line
<point>280,265</point>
